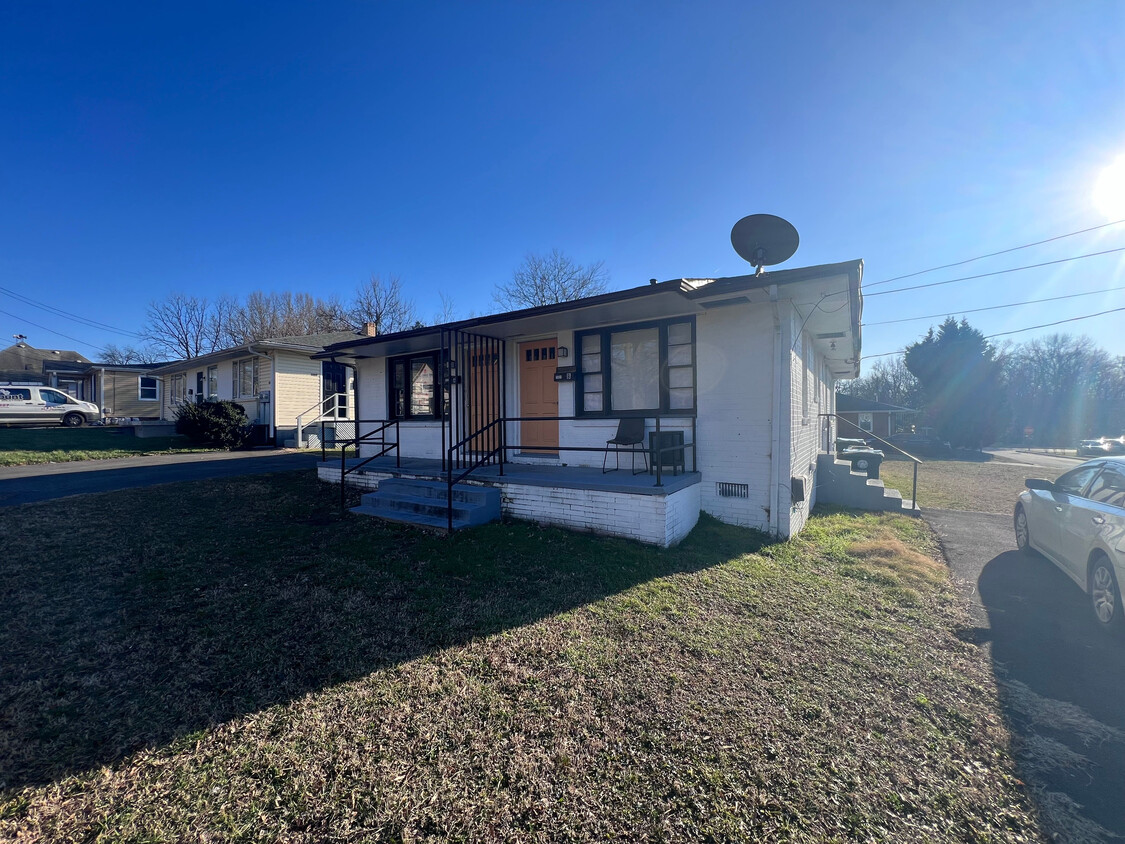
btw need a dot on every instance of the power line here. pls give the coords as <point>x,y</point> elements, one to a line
<point>994,254</point>
<point>1018,330</point>
<point>996,272</point>
<point>89,323</point>
<point>996,307</point>
<point>51,330</point>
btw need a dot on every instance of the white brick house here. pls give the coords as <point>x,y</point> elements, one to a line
<point>742,367</point>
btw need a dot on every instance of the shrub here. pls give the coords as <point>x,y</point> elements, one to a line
<point>215,423</point>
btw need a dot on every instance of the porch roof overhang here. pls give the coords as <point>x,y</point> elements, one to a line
<point>826,298</point>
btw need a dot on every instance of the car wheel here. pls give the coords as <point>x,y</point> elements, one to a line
<point>73,420</point>
<point>1105,596</point>
<point>1023,535</point>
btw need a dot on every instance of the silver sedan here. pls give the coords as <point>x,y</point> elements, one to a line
<point>1078,523</point>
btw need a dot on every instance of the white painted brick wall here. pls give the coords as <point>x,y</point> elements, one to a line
<point>662,520</point>
<point>806,427</point>
<point>734,370</point>
<point>654,519</point>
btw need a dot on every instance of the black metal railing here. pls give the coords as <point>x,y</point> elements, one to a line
<point>868,435</point>
<point>460,457</point>
<point>384,446</point>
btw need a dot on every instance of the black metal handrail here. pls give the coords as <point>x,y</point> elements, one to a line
<point>482,458</point>
<point>384,448</point>
<point>501,450</point>
<point>906,454</point>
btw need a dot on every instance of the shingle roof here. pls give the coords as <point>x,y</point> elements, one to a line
<point>24,358</point>
<point>853,404</point>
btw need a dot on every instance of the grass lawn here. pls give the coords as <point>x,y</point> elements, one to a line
<point>245,663</point>
<point>21,446</point>
<point>990,486</point>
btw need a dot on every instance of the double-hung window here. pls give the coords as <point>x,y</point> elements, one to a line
<point>213,382</point>
<point>637,369</point>
<point>177,386</point>
<point>245,374</point>
<point>413,387</point>
<point>147,389</point>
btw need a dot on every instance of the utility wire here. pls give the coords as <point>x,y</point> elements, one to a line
<point>89,323</point>
<point>1017,330</point>
<point>995,307</point>
<point>51,330</point>
<point>996,272</point>
<point>994,254</point>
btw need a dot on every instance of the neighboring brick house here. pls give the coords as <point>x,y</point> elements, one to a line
<point>741,368</point>
<point>874,417</point>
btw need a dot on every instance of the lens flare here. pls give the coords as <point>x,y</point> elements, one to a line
<point>1109,190</point>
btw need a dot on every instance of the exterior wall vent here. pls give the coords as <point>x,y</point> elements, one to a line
<point>726,490</point>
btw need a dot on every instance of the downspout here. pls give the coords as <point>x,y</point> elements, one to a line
<point>775,421</point>
<point>101,390</point>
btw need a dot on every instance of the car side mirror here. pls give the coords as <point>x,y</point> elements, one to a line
<point>1039,483</point>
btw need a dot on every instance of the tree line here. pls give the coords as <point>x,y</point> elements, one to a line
<point>1059,387</point>
<point>184,326</point>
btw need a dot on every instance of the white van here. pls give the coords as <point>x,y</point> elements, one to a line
<point>42,406</point>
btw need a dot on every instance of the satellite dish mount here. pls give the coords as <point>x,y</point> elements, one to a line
<point>764,240</point>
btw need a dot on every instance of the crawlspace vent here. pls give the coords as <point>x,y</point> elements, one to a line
<point>726,490</point>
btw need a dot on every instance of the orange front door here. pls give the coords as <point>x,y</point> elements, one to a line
<point>539,396</point>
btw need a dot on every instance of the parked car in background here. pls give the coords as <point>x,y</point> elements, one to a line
<point>922,444</point>
<point>1078,523</point>
<point>32,405</point>
<point>1097,447</point>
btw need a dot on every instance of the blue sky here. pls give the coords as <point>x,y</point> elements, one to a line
<point>147,148</point>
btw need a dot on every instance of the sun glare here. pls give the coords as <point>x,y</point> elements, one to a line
<point>1109,190</point>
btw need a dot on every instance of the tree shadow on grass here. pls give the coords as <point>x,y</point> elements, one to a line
<point>139,617</point>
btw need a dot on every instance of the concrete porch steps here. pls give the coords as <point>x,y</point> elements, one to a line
<point>426,503</point>
<point>838,484</point>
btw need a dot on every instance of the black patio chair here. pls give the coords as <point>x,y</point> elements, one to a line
<point>631,433</point>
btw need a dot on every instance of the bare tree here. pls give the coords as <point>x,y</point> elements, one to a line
<point>549,279</point>
<point>384,303</point>
<point>181,326</point>
<point>286,314</point>
<point>889,381</point>
<point>123,356</point>
<point>448,311</point>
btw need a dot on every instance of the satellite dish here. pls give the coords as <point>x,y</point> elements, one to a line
<point>764,240</point>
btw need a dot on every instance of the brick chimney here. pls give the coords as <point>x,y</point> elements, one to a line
<point>370,329</point>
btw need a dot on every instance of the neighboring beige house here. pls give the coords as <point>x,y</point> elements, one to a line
<point>276,380</point>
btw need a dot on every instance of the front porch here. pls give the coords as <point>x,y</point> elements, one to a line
<point>577,497</point>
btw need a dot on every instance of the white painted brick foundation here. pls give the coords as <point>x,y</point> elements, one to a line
<point>662,520</point>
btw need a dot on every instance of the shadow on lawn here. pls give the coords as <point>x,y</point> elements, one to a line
<point>1044,638</point>
<point>158,613</point>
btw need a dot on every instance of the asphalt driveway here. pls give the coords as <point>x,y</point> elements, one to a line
<point>46,481</point>
<point>1062,680</point>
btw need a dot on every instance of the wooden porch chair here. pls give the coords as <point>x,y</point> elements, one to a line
<point>631,437</point>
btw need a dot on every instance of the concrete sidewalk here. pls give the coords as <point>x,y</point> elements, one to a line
<point>47,481</point>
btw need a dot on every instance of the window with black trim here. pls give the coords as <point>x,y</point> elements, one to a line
<point>636,369</point>
<point>412,387</point>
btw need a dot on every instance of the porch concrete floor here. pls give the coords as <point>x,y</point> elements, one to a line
<point>565,477</point>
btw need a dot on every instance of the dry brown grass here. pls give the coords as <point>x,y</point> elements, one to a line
<point>243,664</point>
<point>987,486</point>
